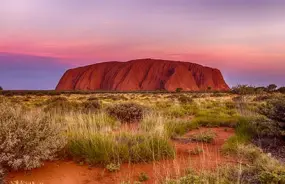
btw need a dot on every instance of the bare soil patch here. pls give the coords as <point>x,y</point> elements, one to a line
<point>68,172</point>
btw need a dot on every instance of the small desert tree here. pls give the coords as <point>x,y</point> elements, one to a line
<point>178,90</point>
<point>1,88</point>
<point>243,89</point>
<point>281,89</point>
<point>271,87</point>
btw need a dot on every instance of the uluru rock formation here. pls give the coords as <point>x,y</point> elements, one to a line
<point>143,74</point>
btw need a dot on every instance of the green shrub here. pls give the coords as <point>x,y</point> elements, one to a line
<point>178,90</point>
<point>263,127</point>
<point>243,90</point>
<point>215,121</point>
<point>143,177</point>
<point>274,109</point>
<point>185,99</point>
<point>27,137</point>
<point>126,112</point>
<point>63,105</point>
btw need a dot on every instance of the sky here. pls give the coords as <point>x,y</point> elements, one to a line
<point>40,39</point>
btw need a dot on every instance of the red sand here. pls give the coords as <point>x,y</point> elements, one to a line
<point>66,172</point>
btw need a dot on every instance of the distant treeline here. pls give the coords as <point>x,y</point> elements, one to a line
<point>239,89</point>
<point>247,89</point>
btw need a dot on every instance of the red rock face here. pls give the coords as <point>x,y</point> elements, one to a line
<point>143,74</point>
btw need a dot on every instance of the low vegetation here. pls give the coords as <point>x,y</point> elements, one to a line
<point>27,138</point>
<point>206,137</point>
<point>112,129</point>
<point>126,112</point>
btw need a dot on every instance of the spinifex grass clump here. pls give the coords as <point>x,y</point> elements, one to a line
<point>105,148</point>
<point>206,137</point>
<point>97,139</point>
<point>177,127</point>
<point>27,137</point>
<point>63,105</point>
<point>185,99</point>
<point>216,114</point>
<point>180,110</point>
<point>126,112</point>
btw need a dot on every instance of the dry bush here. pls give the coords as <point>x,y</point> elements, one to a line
<point>185,99</point>
<point>126,112</point>
<point>90,106</point>
<point>27,137</point>
<point>63,105</point>
<point>274,109</point>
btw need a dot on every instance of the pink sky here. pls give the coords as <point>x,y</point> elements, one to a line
<point>239,37</point>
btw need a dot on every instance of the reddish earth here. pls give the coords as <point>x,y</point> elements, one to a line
<point>63,172</point>
<point>143,74</point>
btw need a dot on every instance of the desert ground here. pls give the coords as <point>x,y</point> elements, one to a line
<point>142,137</point>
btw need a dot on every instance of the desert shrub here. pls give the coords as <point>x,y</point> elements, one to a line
<point>113,167</point>
<point>218,94</point>
<point>126,112</point>
<point>162,105</point>
<point>90,106</point>
<point>249,128</point>
<point>230,105</point>
<point>271,87</point>
<point>178,90</point>
<point>243,89</point>
<point>1,88</point>
<point>185,99</point>
<point>59,105</point>
<point>260,98</point>
<point>63,105</point>
<point>274,109</point>
<point>263,127</point>
<point>206,137</point>
<point>143,177</point>
<point>281,90</point>
<point>27,137</point>
<point>91,98</point>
